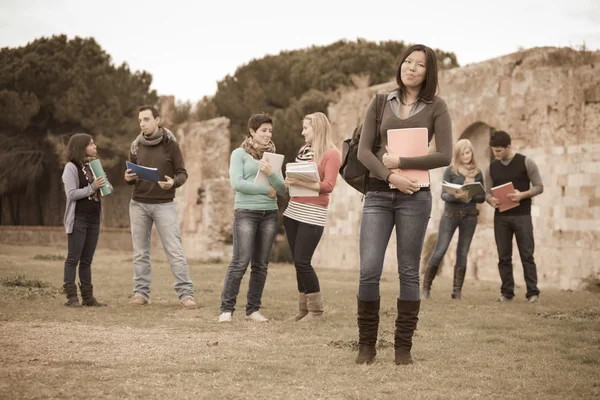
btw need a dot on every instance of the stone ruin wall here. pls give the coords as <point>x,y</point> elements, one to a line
<point>548,100</point>
<point>205,202</point>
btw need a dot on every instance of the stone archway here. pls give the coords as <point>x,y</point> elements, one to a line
<point>479,134</point>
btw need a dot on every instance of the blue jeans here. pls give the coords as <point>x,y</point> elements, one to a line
<point>254,232</point>
<point>381,212</point>
<point>466,225</point>
<point>164,215</point>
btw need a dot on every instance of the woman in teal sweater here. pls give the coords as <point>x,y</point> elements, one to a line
<point>255,218</point>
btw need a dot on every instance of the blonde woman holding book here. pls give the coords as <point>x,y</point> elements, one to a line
<point>459,212</point>
<point>83,213</point>
<point>305,217</point>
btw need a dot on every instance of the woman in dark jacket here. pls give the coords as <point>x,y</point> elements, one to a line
<point>459,212</point>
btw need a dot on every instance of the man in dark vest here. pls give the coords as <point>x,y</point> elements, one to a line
<point>509,166</point>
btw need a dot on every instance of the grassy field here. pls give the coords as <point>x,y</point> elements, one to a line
<point>477,348</point>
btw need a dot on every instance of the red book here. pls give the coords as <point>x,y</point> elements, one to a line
<point>411,142</point>
<point>501,193</point>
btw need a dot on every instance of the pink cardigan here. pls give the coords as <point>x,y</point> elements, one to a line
<point>328,171</point>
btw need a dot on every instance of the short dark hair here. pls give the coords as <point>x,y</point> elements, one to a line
<point>500,139</point>
<point>429,87</point>
<point>257,120</point>
<point>153,109</point>
<point>76,147</point>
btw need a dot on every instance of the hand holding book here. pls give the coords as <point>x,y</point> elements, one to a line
<point>505,197</point>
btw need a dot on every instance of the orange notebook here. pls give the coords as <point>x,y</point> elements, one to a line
<point>411,142</point>
<point>501,192</point>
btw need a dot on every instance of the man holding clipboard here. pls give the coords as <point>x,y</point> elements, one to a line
<point>155,153</point>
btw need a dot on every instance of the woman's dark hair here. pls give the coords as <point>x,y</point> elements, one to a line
<point>257,120</point>
<point>429,87</point>
<point>500,139</point>
<point>76,147</point>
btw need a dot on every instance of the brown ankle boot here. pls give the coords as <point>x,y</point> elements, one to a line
<point>368,324</point>
<point>302,307</point>
<point>406,324</point>
<point>87,296</point>
<point>314,303</point>
<point>71,291</point>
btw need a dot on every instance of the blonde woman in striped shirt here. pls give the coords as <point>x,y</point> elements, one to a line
<point>304,219</point>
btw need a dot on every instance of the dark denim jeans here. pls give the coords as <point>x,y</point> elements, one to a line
<point>253,235</point>
<point>81,248</point>
<point>381,212</point>
<point>303,239</point>
<point>466,229</point>
<point>505,226</point>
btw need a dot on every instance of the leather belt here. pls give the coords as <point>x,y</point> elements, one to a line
<point>464,213</point>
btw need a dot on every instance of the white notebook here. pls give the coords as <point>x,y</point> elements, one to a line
<point>306,172</point>
<point>276,161</point>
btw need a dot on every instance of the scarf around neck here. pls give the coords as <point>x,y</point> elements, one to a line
<point>469,172</point>
<point>160,135</point>
<point>305,154</point>
<point>256,150</point>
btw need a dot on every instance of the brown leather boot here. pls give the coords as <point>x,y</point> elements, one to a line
<point>368,324</point>
<point>302,307</point>
<point>430,273</point>
<point>459,279</point>
<point>71,291</point>
<point>87,296</point>
<point>406,323</point>
<point>314,303</point>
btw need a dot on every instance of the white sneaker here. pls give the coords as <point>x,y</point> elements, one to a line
<point>256,316</point>
<point>225,317</point>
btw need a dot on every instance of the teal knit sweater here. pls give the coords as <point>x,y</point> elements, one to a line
<point>249,195</point>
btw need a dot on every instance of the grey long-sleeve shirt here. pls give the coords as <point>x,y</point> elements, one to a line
<point>532,173</point>
<point>434,116</point>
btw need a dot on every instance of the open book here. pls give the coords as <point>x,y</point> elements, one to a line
<point>306,172</point>
<point>98,171</point>
<point>144,173</point>
<point>276,161</point>
<point>472,189</point>
<point>410,142</point>
<point>501,192</point>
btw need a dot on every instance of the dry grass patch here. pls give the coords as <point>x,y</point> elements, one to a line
<point>472,349</point>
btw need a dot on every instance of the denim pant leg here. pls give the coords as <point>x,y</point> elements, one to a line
<point>75,242</point>
<point>448,224</point>
<point>523,228</point>
<point>375,231</point>
<point>263,242</point>
<point>466,230</point>
<point>167,225</point>
<point>307,240</point>
<point>87,253</point>
<point>291,231</point>
<point>245,224</point>
<point>504,234</point>
<point>141,233</point>
<point>412,214</point>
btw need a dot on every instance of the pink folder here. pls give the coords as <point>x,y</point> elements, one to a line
<point>411,142</point>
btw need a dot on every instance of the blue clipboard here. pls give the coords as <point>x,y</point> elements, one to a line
<point>144,173</point>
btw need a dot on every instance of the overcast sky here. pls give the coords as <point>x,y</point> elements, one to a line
<point>188,46</point>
